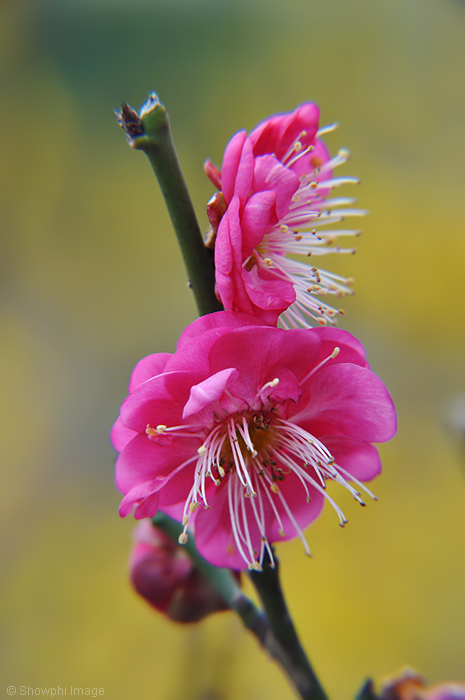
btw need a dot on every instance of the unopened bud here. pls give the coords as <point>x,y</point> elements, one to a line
<point>163,573</point>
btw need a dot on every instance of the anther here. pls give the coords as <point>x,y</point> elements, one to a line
<point>202,449</point>
<point>182,539</point>
<point>254,566</point>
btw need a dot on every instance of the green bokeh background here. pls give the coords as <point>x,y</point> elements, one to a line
<point>92,281</point>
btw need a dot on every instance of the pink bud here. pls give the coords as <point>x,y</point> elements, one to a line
<point>163,573</point>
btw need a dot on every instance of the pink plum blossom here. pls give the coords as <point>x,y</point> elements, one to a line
<point>166,577</point>
<point>273,201</point>
<point>238,433</point>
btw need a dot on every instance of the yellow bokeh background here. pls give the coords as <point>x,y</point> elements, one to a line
<point>92,281</point>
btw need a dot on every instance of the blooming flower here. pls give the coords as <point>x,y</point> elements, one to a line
<point>238,433</point>
<point>273,201</point>
<point>407,684</point>
<point>165,575</point>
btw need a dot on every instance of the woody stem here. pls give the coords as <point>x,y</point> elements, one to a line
<point>292,655</point>
<point>151,134</point>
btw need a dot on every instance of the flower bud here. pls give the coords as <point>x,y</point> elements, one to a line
<point>163,573</point>
<point>407,684</point>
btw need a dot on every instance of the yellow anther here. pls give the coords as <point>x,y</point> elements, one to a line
<point>182,539</point>
<point>202,449</point>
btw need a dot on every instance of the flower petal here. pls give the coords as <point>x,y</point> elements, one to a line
<point>148,367</point>
<point>209,390</point>
<point>349,400</point>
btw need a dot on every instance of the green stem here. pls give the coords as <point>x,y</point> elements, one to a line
<point>150,133</point>
<point>222,579</point>
<point>295,660</point>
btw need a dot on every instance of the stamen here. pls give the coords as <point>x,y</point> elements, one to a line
<point>300,153</point>
<point>327,129</point>
<point>333,355</point>
<point>293,521</point>
<point>232,502</point>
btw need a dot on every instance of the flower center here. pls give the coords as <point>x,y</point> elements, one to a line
<point>251,455</point>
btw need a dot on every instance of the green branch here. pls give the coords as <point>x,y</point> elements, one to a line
<point>150,133</point>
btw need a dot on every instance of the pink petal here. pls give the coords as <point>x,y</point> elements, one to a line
<point>228,262</point>
<point>350,400</point>
<point>221,320</point>
<point>350,349</point>
<point>142,461</point>
<point>360,459</point>
<point>277,134</point>
<point>257,349</point>
<point>231,159</point>
<point>141,492</point>
<point>244,177</point>
<point>303,118</point>
<point>209,390</point>
<point>258,217</point>
<point>269,291</point>
<point>120,435</point>
<point>148,367</point>
<point>159,401</point>
<point>270,174</point>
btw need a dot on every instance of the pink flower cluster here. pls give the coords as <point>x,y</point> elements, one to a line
<point>238,434</point>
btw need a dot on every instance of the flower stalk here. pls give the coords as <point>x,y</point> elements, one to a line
<point>296,663</point>
<point>150,132</point>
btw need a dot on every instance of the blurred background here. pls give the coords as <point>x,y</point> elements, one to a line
<point>92,281</point>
